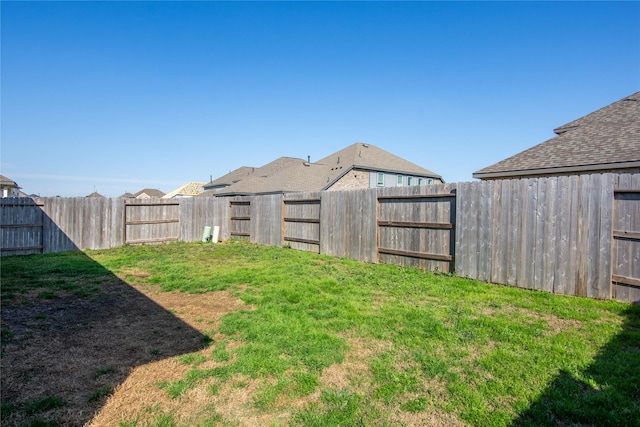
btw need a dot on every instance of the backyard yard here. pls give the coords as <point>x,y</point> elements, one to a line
<point>238,334</point>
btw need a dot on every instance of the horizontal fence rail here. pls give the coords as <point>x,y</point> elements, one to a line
<point>575,235</point>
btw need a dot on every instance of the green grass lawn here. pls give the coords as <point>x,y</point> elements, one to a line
<point>417,343</point>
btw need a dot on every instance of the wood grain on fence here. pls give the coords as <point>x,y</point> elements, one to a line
<point>416,227</point>
<point>266,219</point>
<point>21,227</point>
<point>348,220</point>
<point>240,217</point>
<point>301,221</point>
<point>551,234</point>
<point>625,253</point>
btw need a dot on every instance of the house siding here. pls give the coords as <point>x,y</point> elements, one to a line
<point>352,180</point>
<point>391,180</point>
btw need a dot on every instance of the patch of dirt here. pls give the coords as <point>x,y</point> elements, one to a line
<point>117,342</point>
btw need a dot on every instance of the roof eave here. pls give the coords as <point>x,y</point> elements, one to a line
<point>558,170</point>
<point>424,175</point>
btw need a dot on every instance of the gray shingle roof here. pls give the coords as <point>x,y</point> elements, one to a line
<point>287,174</point>
<point>606,139</point>
<point>232,177</point>
<point>151,192</point>
<point>370,157</point>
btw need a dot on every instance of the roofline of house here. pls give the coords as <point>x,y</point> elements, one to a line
<point>370,169</point>
<point>559,170</point>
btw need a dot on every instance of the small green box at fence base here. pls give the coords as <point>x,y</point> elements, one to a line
<point>206,234</point>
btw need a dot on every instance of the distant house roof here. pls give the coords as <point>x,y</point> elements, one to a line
<point>150,192</point>
<point>7,182</point>
<point>230,178</point>
<point>95,194</point>
<point>607,139</point>
<point>369,157</point>
<point>288,174</point>
<point>188,190</point>
<point>127,195</point>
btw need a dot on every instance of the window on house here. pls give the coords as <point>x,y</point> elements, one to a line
<point>409,180</point>
<point>380,179</point>
<point>400,180</point>
<point>430,181</point>
<point>420,181</point>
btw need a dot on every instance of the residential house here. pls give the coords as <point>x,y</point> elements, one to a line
<point>607,140</point>
<point>145,193</point>
<point>95,194</point>
<point>188,190</point>
<point>356,166</point>
<point>8,187</point>
<point>229,179</point>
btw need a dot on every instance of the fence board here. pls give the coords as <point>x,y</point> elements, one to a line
<point>626,245</point>
<point>266,219</point>
<point>415,227</point>
<point>302,221</point>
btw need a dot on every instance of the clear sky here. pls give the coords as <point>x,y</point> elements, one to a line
<point>121,96</point>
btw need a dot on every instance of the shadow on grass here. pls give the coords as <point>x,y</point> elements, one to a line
<point>71,333</point>
<point>610,396</point>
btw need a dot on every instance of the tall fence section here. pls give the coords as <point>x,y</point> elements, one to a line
<point>574,235</point>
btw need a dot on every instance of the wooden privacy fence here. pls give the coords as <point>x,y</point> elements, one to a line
<point>554,234</point>
<point>151,222</point>
<point>419,228</point>
<point>574,235</point>
<point>21,224</point>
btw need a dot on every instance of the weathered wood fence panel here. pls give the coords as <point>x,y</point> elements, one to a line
<point>266,219</point>
<point>196,213</point>
<point>416,227</point>
<point>151,222</point>
<point>552,234</point>
<point>574,235</point>
<point>87,223</point>
<point>240,217</point>
<point>21,226</point>
<point>626,239</point>
<point>301,221</point>
<point>348,224</point>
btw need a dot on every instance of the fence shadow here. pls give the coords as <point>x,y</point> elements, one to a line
<point>616,382</point>
<point>74,336</point>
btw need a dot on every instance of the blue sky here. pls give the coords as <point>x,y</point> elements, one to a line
<point>119,96</point>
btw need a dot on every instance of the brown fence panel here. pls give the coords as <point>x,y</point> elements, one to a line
<point>348,220</point>
<point>21,226</point>
<point>151,222</point>
<point>266,219</point>
<point>550,233</point>
<point>301,221</point>
<point>626,240</point>
<point>416,227</point>
<point>196,213</point>
<point>240,217</point>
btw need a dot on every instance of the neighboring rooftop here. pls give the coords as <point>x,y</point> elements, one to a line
<point>607,139</point>
<point>230,178</point>
<point>188,190</point>
<point>288,174</point>
<point>145,193</point>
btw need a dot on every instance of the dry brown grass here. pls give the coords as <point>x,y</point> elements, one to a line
<point>128,338</point>
<point>122,339</point>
